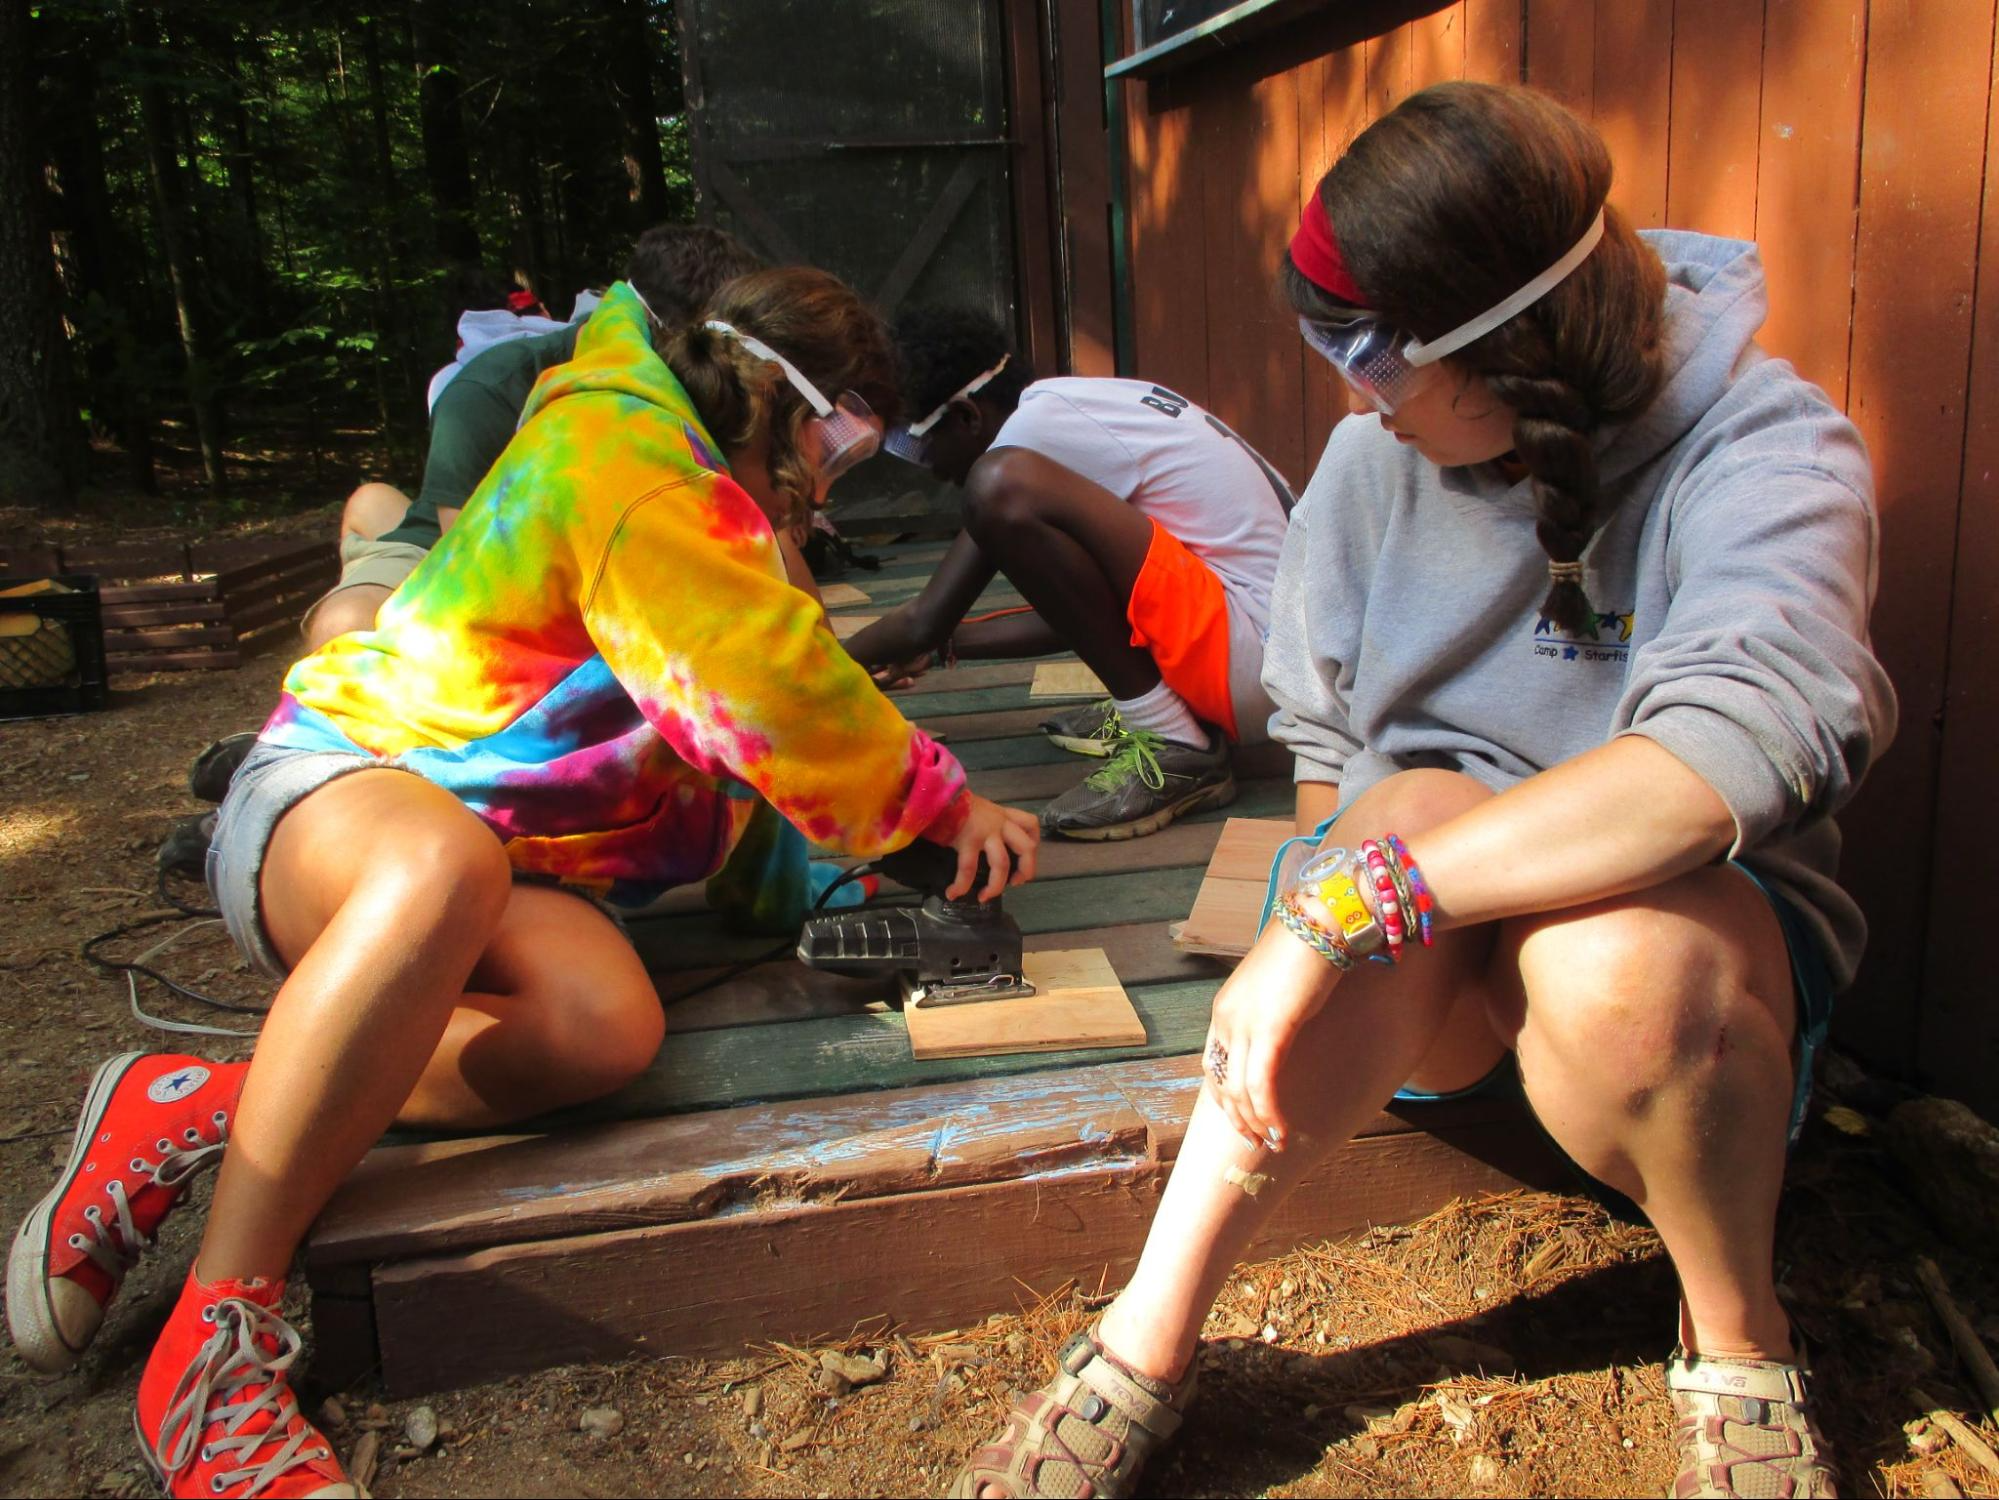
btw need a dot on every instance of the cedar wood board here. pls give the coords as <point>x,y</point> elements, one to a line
<point>1223,922</point>
<point>1078,1003</point>
<point>1066,679</point>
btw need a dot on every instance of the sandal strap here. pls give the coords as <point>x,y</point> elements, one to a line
<point>1759,1380</point>
<point>1088,1361</point>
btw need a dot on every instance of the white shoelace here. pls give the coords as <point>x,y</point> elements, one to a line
<point>118,1244</point>
<point>231,1362</point>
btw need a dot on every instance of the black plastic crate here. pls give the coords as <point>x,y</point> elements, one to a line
<point>81,615</point>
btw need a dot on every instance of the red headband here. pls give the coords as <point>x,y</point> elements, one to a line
<point>1317,257</point>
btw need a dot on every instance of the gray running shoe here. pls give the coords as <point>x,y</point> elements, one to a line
<point>1148,783</point>
<point>1091,729</point>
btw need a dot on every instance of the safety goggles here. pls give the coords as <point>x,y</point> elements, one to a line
<point>1387,366</point>
<point>847,430</point>
<point>911,441</point>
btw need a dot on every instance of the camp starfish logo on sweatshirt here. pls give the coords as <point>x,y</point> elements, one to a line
<point>1612,641</point>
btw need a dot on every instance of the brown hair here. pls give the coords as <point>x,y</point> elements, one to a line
<point>678,267</point>
<point>815,320</point>
<point>1456,199</point>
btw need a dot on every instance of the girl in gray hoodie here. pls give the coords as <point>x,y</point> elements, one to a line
<point>1575,604</point>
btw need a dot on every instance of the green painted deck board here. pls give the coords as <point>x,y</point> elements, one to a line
<point>696,941</point>
<point>849,1054</point>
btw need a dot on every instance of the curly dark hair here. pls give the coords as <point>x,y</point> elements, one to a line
<point>1452,201</point>
<point>942,348</point>
<point>678,267</point>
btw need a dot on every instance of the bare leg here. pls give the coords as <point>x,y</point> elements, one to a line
<point>388,897</point>
<point>344,610</point>
<point>1074,550</point>
<point>1425,1022</point>
<point>1689,986</point>
<point>372,509</point>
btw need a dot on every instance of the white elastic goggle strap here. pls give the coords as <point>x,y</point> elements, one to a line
<point>819,404</point>
<point>1424,354</point>
<point>969,388</point>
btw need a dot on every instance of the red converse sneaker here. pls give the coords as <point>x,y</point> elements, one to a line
<point>150,1122</point>
<point>216,1411</point>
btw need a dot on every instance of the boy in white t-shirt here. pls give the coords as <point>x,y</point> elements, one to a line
<point>1144,535</point>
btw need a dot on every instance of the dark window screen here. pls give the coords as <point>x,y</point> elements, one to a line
<point>868,137</point>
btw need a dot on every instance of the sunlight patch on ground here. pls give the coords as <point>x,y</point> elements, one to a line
<point>33,830</point>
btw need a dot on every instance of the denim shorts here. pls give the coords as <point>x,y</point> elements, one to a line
<point>272,781</point>
<point>1811,988</point>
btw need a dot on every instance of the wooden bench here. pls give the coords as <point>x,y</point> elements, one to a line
<point>177,607</point>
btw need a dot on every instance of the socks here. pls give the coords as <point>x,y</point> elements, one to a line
<point>1166,714</point>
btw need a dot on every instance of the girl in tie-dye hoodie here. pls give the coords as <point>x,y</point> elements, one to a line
<point>584,690</point>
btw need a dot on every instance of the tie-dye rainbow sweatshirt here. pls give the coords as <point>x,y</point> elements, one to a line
<point>602,653</point>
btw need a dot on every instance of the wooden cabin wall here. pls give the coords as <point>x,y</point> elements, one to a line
<point>1850,139</point>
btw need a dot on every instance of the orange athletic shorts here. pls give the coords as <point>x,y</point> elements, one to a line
<point>1179,613</point>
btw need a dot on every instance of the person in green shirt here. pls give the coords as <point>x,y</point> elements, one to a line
<point>384,534</point>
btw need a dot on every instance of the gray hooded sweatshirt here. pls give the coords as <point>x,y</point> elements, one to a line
<point>1732,581</point>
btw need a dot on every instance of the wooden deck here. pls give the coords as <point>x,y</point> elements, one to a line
<point>745,1187</point>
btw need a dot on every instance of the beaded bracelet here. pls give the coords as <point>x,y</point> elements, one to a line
<point>1388,901</point>
<point>1322,942</point>
<point>1419,890</point>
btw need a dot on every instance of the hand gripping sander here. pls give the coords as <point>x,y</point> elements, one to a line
<point>943,952</point>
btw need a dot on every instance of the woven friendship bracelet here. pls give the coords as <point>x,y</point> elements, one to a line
<point>1312,935</point>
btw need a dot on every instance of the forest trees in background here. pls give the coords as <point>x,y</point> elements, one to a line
<point>230,228</point>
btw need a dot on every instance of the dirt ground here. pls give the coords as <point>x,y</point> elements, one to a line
<point>1504,1347</point>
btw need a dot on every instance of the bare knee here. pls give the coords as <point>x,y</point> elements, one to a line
<point>372,509</point>
<point>1410,802</point>
<point>451,875</point>
<point>998,504</point>
<point>344,611</point>
<point>1627,1000</point>
<point>608,1034</point>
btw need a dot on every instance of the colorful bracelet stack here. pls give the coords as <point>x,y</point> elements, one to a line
<point>1372,897</point>
<point>1419,893</point>
<point>1387,896</point>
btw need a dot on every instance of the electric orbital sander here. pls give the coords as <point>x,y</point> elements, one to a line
<point>942,952</point>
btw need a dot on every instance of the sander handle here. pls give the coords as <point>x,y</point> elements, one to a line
<point>929,868</point>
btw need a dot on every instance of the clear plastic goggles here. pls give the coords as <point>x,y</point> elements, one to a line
<point>911,441</point>
<point>1387,366</point>
<point>847,430</point>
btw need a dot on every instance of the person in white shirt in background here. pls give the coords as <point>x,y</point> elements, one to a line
<point>1144,536</point>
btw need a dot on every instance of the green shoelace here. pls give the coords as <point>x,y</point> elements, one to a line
<point>1137,755</point>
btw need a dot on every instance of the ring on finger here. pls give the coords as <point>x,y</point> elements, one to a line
<point>1218,1062</point>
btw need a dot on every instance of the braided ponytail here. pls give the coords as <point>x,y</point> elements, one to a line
<point>1453,201</point>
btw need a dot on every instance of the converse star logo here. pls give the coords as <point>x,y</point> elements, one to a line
<point>169,1088</point>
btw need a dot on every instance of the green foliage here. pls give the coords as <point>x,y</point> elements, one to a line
<point>337,182</point>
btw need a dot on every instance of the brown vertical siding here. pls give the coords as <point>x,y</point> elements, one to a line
<point>1960,1036</point>
<point>1850,138</point>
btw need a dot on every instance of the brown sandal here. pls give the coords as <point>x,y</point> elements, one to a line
<point>1745,1427</point>
<point>1084,1434</point>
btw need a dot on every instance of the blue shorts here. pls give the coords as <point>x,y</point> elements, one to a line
<point>1811,989</point>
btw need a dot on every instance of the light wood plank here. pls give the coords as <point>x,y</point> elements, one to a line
<point>1066,679</point>
<point>845,627</point>
<point>1223,922</point>
<point>833,595</point>
<point>1078,1003</point>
